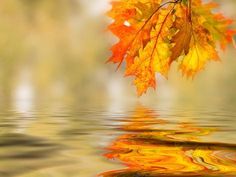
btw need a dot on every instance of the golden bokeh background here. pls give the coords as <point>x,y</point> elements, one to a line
<point>58,49</point>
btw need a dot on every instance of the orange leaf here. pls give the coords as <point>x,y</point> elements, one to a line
<point>154,33</point>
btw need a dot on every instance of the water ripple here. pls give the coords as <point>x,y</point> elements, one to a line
<point>147,150</point>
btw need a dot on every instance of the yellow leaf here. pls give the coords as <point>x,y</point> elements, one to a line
<point>196,59</point>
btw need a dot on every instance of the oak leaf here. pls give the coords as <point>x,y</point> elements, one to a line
<point>154,33</point>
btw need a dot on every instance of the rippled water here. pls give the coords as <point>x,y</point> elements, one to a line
<point>134,141</point>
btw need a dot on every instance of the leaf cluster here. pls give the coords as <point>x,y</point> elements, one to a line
<point>155,33</point>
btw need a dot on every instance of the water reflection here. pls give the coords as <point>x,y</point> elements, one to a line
<point>60,141</point>
<point>23,153</point>
<point>150,147</point>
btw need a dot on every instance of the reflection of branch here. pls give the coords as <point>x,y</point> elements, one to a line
<point>189,144</point>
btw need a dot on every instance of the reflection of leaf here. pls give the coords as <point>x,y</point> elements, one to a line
<point>154,33</point>
<point>149,148</point>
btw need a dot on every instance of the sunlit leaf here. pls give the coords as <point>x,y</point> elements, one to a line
<point>155,33</point>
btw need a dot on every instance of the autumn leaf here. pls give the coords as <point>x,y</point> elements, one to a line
<point>155,33</point>
<point>181,40</point>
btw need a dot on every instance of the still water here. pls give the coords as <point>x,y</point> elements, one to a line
<point>132,141</point>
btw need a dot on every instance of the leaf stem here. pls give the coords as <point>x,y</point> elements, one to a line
<point>146,22</point>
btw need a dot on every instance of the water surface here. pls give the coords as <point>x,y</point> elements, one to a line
<point>135,141</point>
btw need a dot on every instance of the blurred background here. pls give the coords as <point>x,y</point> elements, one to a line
<point>53,71</point>
<point>57,49</point>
